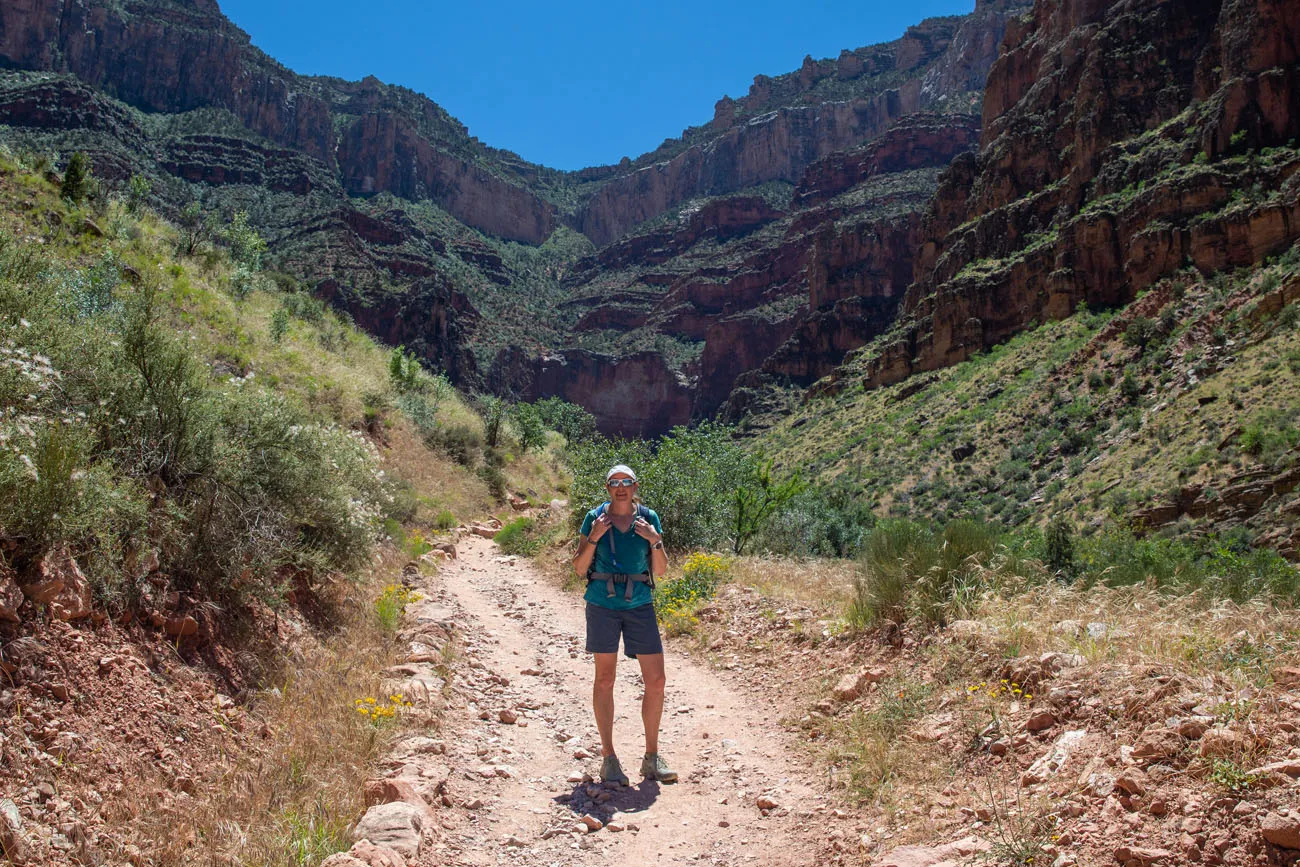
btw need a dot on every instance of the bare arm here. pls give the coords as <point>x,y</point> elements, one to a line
<point>587,545</point>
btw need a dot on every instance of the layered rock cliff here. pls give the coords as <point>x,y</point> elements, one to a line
<point>177,57</point>
<point>1122,141</point>
<point>785,124</point>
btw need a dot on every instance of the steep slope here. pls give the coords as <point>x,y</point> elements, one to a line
<point>785,124</point>
<point>175,57</point>
<point>787,279</point>
<point>378,199</point>
<point>1122,141</point>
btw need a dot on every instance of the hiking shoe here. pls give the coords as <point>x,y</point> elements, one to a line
<point>653,767</point>
<point>612,772</point>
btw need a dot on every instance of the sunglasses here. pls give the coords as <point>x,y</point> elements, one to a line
<point>621,483</point>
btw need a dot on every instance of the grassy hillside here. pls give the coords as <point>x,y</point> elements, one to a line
<point>243,477</point>
<point>1176,414</point>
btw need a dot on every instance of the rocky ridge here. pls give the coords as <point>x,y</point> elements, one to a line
<point>1122,142</point>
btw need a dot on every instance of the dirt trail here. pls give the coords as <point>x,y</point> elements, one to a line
<point>516,789</point>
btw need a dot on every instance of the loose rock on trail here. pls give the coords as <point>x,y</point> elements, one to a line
<point>512,764</point>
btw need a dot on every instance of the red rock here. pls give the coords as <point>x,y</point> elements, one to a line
<point>11,597</point>
<point>62,586</point>
<point>180,627</point>
<point>373,855</point>
<point>1142,855</point>
<point>1132,781</point>
<point>1155,744</point>
<point>1040,721</point>
<point>1222,741</point>
<point>1280,830</point>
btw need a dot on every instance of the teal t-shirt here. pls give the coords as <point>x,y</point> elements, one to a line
<point>633,559</point>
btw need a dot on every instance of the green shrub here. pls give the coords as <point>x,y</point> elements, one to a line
<point>573,422</point>
<point>519,537</point>
<point>246,246</point>
<point>821,521</point>
<point>403,370</point>
<point>528,423</point>
<point>77,179</point>
<point>445,520</point>
<point>138,190</point>
<point>909,570</point>
<point>242,482</point>
<point>688,477</point>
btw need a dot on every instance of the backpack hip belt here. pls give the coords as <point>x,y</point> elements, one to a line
<point>610,578</point>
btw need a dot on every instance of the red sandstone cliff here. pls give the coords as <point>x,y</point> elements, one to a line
<point>1122,141</point>
<point>175,57</point>
<point>788,123</point>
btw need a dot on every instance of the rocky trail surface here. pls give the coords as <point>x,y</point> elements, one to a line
<point>512,763</point>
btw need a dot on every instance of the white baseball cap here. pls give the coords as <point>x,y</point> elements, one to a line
<point>621,468</point>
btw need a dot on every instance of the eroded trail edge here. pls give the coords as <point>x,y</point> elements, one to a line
<point>518,737</point>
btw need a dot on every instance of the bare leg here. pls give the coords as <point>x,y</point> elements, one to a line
<point>652,705</point>
<point>602,699</point>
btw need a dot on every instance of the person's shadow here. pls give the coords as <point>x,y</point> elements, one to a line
<point>623,799</point>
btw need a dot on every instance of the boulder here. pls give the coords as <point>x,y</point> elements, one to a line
<point>394,790</point>
<point>1280,830</point>
<point>10,596</point>
<point>396,825</point>
<point>72,599</point>
<point>1156,744</point>
<point>948,855</point>
<point>852,685</point>
<point>1222,741</point>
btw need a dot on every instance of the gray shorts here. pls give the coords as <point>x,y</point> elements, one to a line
<point>638,626</point>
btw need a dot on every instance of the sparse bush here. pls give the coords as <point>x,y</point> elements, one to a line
<point>445,520</point>
<point>247,247</point>
<point>138,190</point>
<point>1060,547</point>
<point>910,570</point>
<point>279,324</point>
<point>756,500</point>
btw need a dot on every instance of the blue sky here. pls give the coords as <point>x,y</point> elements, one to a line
<point>576,84</point>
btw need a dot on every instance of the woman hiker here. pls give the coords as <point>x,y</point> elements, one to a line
<point>620,550</point>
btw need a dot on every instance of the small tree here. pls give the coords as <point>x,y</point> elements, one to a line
<point>137,193</point>
<point>403,370</point>
<point>1140,332</point>
<point>528,424</point>
<point>493,409</point>
<point>246,246</point>
<point>1060,547</point>
<point>194,227</point>
<point>76,178</point>
<point>755,502</point>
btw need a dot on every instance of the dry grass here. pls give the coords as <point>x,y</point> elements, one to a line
<point>819,582</point>
<point>290,799</point>
<point>1188,633</point>
<point>439,482</point>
